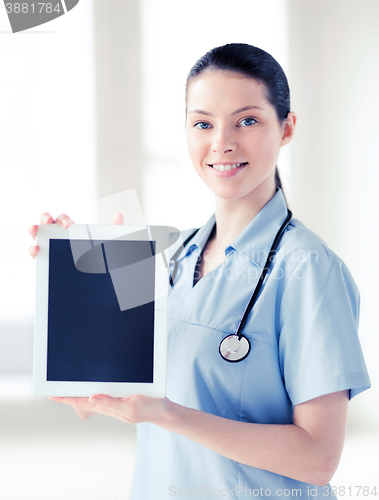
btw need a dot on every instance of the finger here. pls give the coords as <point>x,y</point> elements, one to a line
<point>102,401</point>
<point>124,409</point>
<point>117,219</point>
<point>46,218</point>
<point>32,230</point>
<point>111,407</point>
<point>33,250</point>
<point>64,220</point>
<point>81,406</point>
<point>84,414</point>
<point>56,399</point>
<point>75,402</point>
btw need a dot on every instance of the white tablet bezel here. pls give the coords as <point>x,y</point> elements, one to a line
<point>44,387</point>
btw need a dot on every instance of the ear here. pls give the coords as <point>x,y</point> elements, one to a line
<point>288,128</point>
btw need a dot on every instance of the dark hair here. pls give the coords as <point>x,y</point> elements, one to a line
<point>254,63</point>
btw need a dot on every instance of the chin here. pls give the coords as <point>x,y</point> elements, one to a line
<point>229,195</point>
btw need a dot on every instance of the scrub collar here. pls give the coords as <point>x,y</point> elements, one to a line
<point>255,240</point>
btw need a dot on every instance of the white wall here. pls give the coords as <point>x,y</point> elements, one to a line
<point>117,45</point>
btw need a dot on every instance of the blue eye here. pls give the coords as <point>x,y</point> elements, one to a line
<point>202,125</point>
<point>246,122</point>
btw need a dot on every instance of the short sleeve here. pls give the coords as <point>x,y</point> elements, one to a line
<point>319,348</point>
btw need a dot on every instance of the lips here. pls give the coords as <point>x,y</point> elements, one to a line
<point>221,167</point>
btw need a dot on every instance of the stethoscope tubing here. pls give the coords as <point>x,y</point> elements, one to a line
<point>267,265</point>
<point>173,259</point>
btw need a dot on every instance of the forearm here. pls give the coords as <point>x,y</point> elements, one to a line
<point>307,450</point>
<point>288,450</point>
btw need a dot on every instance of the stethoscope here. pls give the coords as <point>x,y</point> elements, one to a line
<point>236,347</point>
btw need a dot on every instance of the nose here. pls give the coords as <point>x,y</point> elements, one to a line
<point>223,142</point>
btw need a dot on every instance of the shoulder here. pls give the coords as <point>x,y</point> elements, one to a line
<point>298,237</point>
<point>300,244</point>
<point>305,254</point>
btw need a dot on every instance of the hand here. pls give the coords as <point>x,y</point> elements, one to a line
<point>133,409</point>
<point>64,221</point>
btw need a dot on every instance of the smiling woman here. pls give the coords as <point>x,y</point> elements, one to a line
<point>233,131</point>
<point>275,418</point>
<point>259,68</point>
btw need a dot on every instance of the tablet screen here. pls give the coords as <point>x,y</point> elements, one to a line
<point>101,321</point>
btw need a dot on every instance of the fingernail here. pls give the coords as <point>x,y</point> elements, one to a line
<point>94,399</point>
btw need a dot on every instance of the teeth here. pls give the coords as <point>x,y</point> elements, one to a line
<point>230,166</point>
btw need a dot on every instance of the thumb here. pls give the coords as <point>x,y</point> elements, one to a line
<point>117,219</point>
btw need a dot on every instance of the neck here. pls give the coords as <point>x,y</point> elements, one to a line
<point>232,216</point>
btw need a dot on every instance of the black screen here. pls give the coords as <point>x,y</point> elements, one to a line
<point>90,337</point>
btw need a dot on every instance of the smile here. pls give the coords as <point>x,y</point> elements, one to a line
<point>229,166</point>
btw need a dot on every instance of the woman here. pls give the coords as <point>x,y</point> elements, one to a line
<point>272,423</point>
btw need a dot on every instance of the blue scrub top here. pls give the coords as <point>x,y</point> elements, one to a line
<point>304,344</point>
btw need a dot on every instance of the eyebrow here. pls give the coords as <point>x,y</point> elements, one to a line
<point>245,108</point>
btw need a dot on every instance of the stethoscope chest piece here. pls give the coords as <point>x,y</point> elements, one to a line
<point>234,349</point>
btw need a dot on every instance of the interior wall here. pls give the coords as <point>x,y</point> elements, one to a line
<point>118,90</point>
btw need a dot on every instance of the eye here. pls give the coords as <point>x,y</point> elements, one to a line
<point>247,122</point>
<point>202,125</point>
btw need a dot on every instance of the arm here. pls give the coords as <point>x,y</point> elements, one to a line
<point>307,450</point>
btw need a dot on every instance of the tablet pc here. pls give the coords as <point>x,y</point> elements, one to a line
<point>101,310</point>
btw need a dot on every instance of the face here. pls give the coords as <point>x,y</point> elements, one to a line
<point>233,135</point>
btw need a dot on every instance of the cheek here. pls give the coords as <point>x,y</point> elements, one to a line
<point>269,146</point>
<point>190,145</point>
<point>196,148</point>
